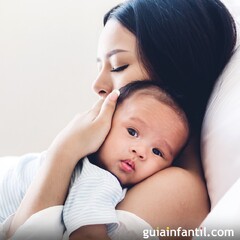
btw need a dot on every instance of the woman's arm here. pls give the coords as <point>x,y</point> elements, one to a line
<point>81,137</point>
<point>90,232</point>
<point>173,198</point>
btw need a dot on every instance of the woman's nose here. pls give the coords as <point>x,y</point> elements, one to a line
<point>102,85</point>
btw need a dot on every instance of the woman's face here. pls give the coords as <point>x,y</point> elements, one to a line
<point>117,59</point>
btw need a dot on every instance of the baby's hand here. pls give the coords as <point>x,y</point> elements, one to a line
<point>86,132</point>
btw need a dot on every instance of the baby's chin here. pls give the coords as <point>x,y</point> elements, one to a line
<point>94,159</point>
<point>125,184</point>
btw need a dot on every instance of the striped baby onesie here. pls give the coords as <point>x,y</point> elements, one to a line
<point>93,193</point>
<point>92,198</point>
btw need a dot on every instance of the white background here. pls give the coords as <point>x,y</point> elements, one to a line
<point>47,66</point>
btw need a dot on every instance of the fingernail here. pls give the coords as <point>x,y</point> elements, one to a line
<point>114,95</point>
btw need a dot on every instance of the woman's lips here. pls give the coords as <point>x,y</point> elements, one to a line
<point>127,166</point>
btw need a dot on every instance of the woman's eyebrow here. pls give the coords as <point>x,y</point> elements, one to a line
<point>115,51</point>
<point>112,52</point>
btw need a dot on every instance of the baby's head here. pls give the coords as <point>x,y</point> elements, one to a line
<point>148,131</point>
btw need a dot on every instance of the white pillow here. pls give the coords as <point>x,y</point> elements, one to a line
<point>220,143</point>
<point>224,219</point>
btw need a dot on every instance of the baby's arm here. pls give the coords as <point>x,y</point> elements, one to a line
<point>91,202</point>
<point>90,232</point>
<point>82,136</point>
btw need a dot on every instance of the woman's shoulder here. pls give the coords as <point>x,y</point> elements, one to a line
<point>174,197</point>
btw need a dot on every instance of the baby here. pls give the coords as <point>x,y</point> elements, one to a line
<point>148,131</point>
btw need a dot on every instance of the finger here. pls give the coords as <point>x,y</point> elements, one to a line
<point>109,105</point>
<point>97,107</point>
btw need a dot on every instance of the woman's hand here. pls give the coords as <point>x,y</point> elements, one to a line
<point>86,132</point>
<point>81,137</point>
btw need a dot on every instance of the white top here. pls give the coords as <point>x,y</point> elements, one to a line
<point>47,224</point>
<point>15,178</point>
<point>92,198</point>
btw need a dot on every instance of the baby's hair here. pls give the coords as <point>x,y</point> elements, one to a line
<point>153,89</point>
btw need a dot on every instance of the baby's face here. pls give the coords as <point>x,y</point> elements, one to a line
<point>145,137</point>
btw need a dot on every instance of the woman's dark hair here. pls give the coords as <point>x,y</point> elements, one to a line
<point>184,45</point>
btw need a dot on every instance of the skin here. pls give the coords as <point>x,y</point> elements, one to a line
<point>171,198</point>
<point>117,48</point>
<point>81,137</point>
<point>180,196</point>
<point>139,125</point>
<point>145,137</point>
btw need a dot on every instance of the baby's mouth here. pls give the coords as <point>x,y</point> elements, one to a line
<point>127,165</point>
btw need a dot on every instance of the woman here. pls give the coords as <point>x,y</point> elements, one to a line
<point>182,44</point>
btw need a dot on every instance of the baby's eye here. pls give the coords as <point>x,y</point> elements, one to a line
<point>119,69</point>
<point>157,152</point>
<point>132,132</point>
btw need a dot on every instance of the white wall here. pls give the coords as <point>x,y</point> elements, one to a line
<point>47,65</point>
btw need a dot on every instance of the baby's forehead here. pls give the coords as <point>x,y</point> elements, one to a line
<point>151,97</point>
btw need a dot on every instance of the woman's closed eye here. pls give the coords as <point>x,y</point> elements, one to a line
<point>132,132</point>
<point>119,69</point>
<point>157,152</point>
